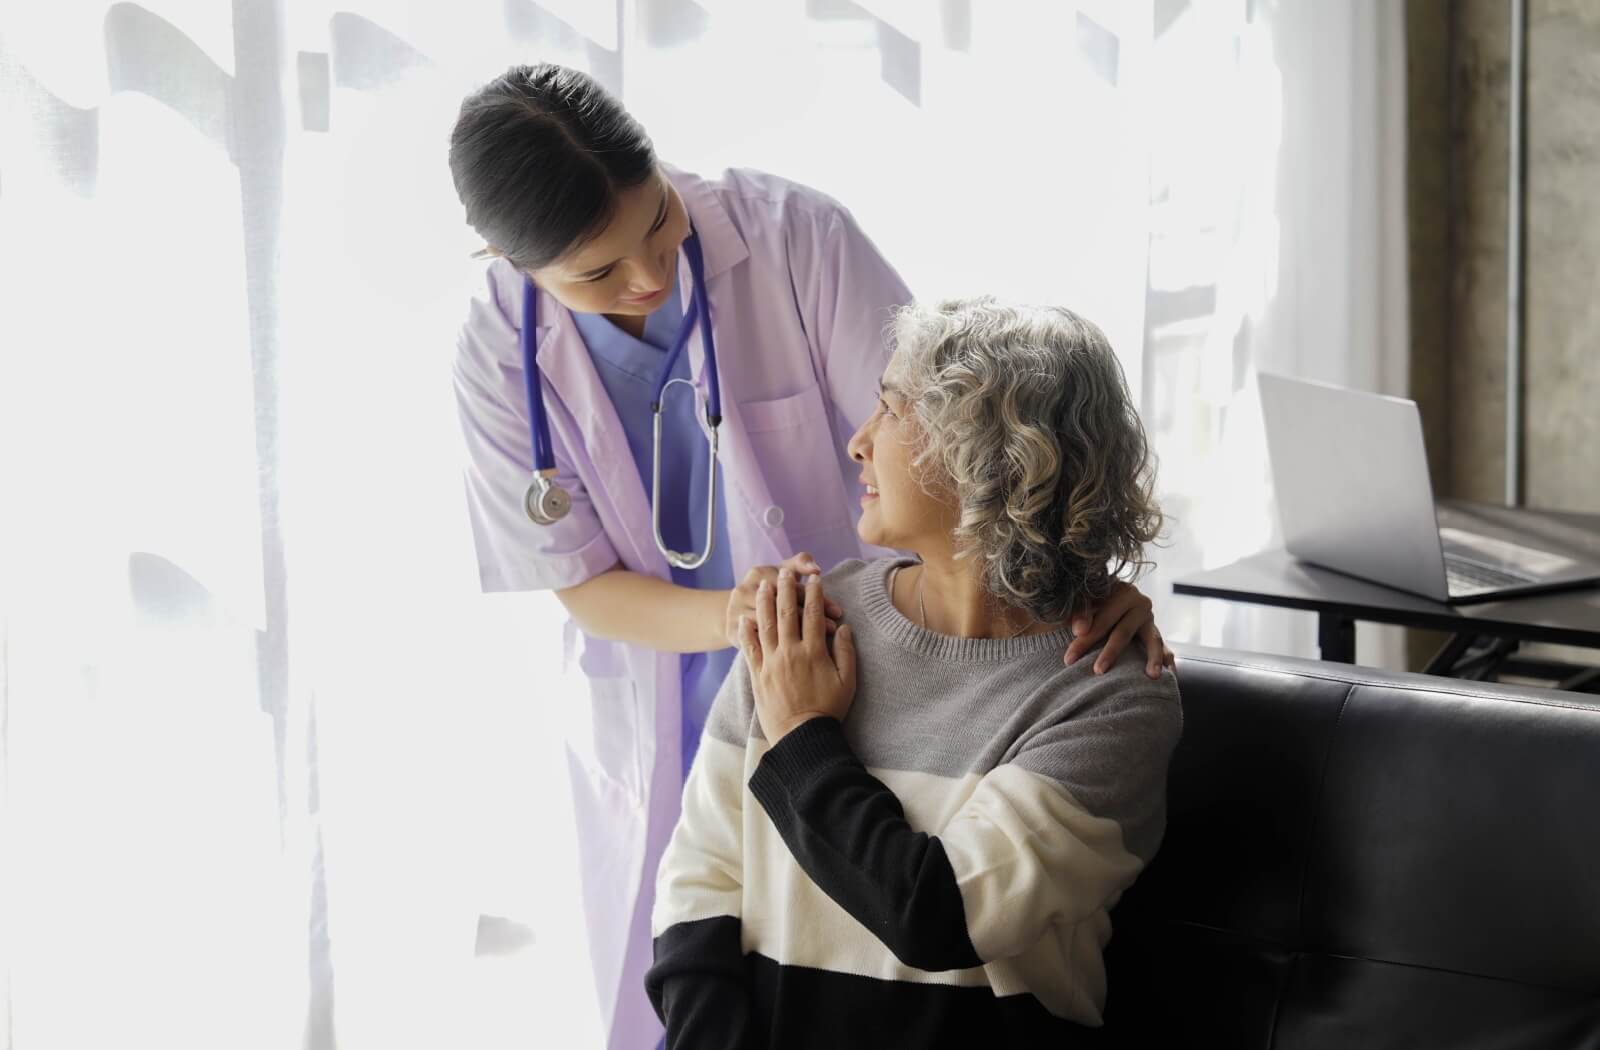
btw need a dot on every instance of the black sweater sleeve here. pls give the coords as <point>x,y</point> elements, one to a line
<point>848,831</point>
<point>699,988</point>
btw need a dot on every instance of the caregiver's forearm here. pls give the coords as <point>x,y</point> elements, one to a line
<point>624,606</point>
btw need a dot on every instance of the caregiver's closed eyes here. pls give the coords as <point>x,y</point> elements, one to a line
<point>911,831</point>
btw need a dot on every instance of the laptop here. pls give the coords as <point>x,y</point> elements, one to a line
<point>1354,495</point>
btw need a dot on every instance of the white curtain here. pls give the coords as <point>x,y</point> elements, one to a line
<point>274,773</point>
<point>1277,244</point>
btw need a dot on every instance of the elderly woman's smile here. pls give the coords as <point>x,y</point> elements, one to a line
<point>898,510</point>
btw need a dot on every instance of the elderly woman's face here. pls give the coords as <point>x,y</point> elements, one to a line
<point>896,510</point>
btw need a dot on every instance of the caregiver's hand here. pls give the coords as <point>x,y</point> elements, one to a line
<point>742,599</point>
<point>1125,614</point>
<point>791,673</point>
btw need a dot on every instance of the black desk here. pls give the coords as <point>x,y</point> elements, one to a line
<point>1485,636</point>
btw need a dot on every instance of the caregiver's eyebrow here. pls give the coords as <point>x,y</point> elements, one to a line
<point>661,217</point>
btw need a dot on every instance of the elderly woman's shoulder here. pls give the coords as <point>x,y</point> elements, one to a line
<point>855,578</point>
<point>1124,686</point>
<point>849,571</point>
<point>856,583</point>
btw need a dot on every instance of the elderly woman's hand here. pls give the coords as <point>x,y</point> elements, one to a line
<point>791,672</point>
<point>742,599</point>
<point>1125,614</point>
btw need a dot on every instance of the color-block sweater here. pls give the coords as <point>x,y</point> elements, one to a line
<point>936,870</point>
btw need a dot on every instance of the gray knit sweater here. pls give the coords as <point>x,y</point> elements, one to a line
<point>938,869</point>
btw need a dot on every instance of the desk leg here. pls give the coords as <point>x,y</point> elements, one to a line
<point>1484,665</point>
<point>1444,661</point>
<point>1583,682</point>
<point>1336,637</point>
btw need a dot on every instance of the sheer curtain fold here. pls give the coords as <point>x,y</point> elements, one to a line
<point>1280,247</point>
<point>274,774</point>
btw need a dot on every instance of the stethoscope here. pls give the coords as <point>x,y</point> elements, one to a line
<point>545,501</point>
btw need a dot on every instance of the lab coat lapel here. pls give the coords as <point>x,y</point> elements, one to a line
<point>565,365</point>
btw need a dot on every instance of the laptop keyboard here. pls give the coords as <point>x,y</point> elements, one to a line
<point>1465,576</point>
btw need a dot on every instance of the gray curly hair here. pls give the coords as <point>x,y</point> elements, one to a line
<point>1027,423</point>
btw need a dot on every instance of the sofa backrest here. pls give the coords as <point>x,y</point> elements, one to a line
<point>1361,859</point>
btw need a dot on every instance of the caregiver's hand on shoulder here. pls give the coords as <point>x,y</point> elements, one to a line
<point>1125,614</point>
<point>742,599</point>
<point>794,677</point>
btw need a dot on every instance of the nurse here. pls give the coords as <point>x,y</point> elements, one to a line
<point>610,254</point>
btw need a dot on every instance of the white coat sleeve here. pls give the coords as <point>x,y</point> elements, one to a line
<point>513,553</point>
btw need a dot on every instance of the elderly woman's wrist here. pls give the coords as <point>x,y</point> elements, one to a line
<point>793,759</point>
<point>790,725</point>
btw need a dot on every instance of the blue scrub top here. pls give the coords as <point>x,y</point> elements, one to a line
<point>629,369</point>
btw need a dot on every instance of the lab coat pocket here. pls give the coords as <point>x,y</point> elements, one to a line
<point>793,443</point>
<point>603,730</point>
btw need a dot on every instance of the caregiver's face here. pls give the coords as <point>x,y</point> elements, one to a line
<point>627,268</point>
<point>896,510</point>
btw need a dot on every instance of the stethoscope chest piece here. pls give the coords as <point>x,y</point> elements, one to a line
<point>546,502</point>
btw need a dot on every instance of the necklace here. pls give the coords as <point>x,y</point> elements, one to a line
<point>922,609</point>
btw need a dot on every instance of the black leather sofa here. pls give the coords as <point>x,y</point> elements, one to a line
<point>1368,860</point>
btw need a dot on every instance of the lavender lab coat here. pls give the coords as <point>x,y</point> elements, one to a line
<point>799,301</point>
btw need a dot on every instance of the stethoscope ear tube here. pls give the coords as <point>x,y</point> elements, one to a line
<point>544,457</point>
<point>682,559</point>
<point>702,303</point>
<point>700,312</point>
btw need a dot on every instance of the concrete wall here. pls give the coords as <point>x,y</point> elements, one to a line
<point>1430,186</point>
<point>1563,289</point>
<point>1458,82</point>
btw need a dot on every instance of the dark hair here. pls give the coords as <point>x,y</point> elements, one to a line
<point>539,157</point>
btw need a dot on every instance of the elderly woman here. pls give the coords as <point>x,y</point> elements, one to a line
<point>912,835</point>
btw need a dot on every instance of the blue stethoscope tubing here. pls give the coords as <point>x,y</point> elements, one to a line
<point>545,501</point>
